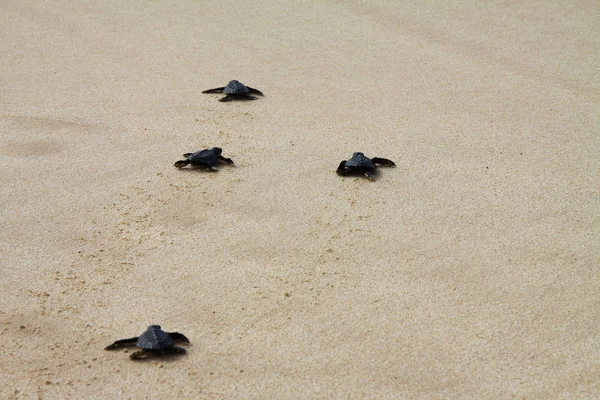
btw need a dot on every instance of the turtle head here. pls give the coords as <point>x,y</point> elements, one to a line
<point>154,327</point>
<point>217,150</point>
<point>358,154</point>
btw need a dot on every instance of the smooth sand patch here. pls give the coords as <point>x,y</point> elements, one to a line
<point>469,271</point>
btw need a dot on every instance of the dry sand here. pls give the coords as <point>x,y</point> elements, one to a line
<point>470,271</point>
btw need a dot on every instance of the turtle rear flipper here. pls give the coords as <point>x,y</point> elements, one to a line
<point>144,354</point>
<point>140,354</point>
<point>181,163</point>
<point>383,161</point>
<point>175,350</point>
<point>122,343</point>
<point>227,98</point>
<point>215,90</point>
<point>255,91</point>
<point>369,174</point>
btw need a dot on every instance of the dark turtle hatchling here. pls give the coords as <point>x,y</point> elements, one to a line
<point>208,158</point>
<point>154,341</point>
<point>236,90</point>
<point>361,164</point>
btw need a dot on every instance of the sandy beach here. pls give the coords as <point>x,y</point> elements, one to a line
<point>471,270</point>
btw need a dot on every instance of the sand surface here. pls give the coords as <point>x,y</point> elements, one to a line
<point>469,271</point>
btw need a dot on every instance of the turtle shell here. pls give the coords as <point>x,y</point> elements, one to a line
<point>359,160</point>
<point>155,339</point>
<point>236,87</point>
<point>205,157</point>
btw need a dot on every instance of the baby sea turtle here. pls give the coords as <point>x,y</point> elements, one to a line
<point>208,158</point>
<point>154,341</point>
<point>236,90</point>
<point>361,164</point>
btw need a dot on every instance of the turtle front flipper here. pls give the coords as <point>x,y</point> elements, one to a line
<point>181,163</point>
<point>231,97</point>
<point>383,161</point>
<point>122,343</point>
<point>226,160</point>
<point>341,169</point>
<point>215,90</point>
<point>179,337</point>
<point>255,91</point>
